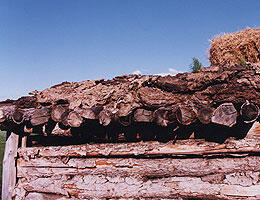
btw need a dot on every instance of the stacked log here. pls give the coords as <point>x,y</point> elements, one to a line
<point>188,169</point>
<point>215,95</point>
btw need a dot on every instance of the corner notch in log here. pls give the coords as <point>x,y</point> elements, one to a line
<point>225,115</point>
<point>249,112</point>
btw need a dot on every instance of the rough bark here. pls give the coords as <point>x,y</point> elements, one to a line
<point>40,116</point>
<point>182,100</point>
<point>211,86</point>
<point>142,115</point>
<point>57,112</point>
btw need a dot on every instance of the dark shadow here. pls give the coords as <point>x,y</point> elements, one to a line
<point>93,132</point>
<point>218,133</point>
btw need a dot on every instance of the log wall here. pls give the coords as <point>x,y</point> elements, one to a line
<point>187,169</point>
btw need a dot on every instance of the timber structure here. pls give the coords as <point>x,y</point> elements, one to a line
<point>189,136</point>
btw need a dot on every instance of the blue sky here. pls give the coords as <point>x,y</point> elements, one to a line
<point>45,42</point>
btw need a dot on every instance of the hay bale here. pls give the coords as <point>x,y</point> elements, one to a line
<point>240,47</point>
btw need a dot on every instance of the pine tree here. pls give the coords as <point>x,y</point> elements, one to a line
<point>195,66</point>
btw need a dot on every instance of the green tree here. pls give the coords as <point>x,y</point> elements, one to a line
<point>195,65</point>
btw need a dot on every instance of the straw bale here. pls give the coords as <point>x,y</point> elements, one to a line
<point>240,47</point>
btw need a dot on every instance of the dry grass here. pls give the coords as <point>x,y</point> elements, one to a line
<point>243,46</point>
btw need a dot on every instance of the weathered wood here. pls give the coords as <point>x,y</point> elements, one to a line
<point>56,130</point>
<point>57,112</point>
<point>40,116</point>
<point>250,144</point>
<point>2,115</point>
<point>106,116</point>
<point>9,169</point>
<point>249,112</point>
<point>205,115</point>
<point>142,115</point>
<point>6,112</point>
<point>225,115</point>
<point>24,141</point>
<point>185,115</point>
<point>74,119</point>
<point>209,87</point>
<point>64,119</point>
<point>164,116</point>
<point>88,113</point>
<point>18,116</point>
<point>212,175</point>
<point>144,170</point>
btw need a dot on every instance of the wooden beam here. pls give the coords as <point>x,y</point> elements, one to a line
<point>9,168</point>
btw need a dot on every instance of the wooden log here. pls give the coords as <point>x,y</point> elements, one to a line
<point>57,112</point>
<point>74,119</point>
<point>18,116</point>
<point>185,115</point>
<point>232,83</point>
<point>88,113</point>
<point>6,112</point>
<point>41,196</point>
<point>105,117</point>
<point>24,141</point>
<point>40,116</point>
<point>9,169</point>
<point>164,116</point>
<point>142,115</point>
<point>64,120</point>
<point>153,178</point>
<point>225,115</point>
<point>2,115</point>
<point>129,170</point>
<point>249,112</point>
<point>205,115</point>
<point>250,144</point>
<point>56,130</point>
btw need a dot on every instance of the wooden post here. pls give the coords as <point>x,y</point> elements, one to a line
<point>9,169</point>
<point>24,141</point>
